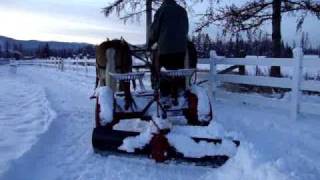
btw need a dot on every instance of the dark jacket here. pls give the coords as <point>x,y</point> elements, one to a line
<point>170,28</point>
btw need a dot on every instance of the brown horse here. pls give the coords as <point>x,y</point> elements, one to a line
<point>114,57</point>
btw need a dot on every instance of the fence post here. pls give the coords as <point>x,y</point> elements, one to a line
<point>296,79</point>
<point>212,78</point>
<point>57,63</point>
<point>77,65</point>
<point>86,64</point>
<point>62,64</point>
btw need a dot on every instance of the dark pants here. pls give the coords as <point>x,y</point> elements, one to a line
<point>172,62</point>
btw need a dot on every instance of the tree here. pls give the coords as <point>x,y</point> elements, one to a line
<point>20,48</point>
<point>254,13</point>
<point>7,49</point>
<point>199,43</point>
<point>46,51</point>
<point>39,51</point>
<point>128,9</point>
<point>206,45</point>
<point>43,51</point>
<point>305,42</point>
<point>15,47</point>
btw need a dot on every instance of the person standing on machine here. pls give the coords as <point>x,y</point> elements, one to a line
<point>170,31</point>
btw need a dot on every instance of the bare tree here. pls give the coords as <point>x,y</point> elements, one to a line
<point>129,9</point>
<point>254,13</point>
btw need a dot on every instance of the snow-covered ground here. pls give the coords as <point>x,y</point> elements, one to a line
<point>2,61</point>
<point>25,113</point>
<point>272,146</point>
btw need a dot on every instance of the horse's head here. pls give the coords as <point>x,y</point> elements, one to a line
<point>116,50</point>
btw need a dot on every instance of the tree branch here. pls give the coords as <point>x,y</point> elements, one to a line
<point>253,14</point>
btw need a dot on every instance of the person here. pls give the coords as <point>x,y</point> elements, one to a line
<point>169,31</point>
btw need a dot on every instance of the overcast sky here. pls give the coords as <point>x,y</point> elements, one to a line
<point>82,21</point>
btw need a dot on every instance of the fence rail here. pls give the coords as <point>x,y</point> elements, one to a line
<point>84,66</point>
<point>295,83</point>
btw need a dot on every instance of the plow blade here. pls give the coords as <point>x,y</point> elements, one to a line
<point>105,141</point>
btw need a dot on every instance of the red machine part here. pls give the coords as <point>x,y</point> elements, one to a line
<point>159,147</point>
<point>97,118</point>
<point>192,111</point>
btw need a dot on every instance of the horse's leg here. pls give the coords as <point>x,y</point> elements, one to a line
<point>110,54</point>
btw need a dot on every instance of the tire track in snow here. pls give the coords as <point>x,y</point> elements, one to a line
<point>25,114</point>
<point>64,152</point>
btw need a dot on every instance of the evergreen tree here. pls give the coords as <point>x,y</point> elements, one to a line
<point>46,51</point>
<point>15,47</point>
<point>219,45</point>
<point>258,45</point>
<point>305,43</point>
<point>206,45</point>
<point>7,49</point>
<point>294,44</point>
<point>20,48</point>
<point>38,53</point>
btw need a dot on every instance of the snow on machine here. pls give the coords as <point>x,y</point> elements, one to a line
<point>132,117</point>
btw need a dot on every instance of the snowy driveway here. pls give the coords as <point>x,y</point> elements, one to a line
<point>24,114</point>
<point>272,146</point>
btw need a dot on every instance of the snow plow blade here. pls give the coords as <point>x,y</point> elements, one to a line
<point>105,141</point>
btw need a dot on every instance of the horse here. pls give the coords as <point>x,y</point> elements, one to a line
<point>113,56</point>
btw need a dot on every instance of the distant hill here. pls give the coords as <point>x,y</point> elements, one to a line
<point>34,44</point>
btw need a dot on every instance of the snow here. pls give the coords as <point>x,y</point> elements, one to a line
<point>134,125</point>
<point>146,129</point>
<point>189,148</point>
<point>250,169</point>
<point>203,102</point>
<point>105,95</point>
<point>13,66</point>
<point>158,122</point>
<point>290,146</point>
<point>137,142</point>
<point>272,146</point>
<point>25,113</point>
<point>214,130</point>
<point>179,137</point>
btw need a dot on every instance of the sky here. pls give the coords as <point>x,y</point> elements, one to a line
<point>83,21</point>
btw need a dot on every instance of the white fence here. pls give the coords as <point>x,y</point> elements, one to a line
<point>296,83</point>
<point>82,66</point>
